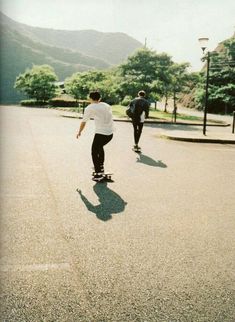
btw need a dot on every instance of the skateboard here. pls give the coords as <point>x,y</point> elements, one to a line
<point>108,176</point>
<point>105,177</point>
<point>137,150</point>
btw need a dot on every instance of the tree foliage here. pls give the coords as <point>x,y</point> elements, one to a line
<point>155,73</point>
<point>37,83</point>
<point>175,81</point>
<point>221,98</point>
<point>145,70</point>
<point>80,84</point>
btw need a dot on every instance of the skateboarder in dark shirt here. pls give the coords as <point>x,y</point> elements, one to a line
<point>141,111</point>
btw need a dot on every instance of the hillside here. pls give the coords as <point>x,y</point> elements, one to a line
<point>19,53</point>
<point>66,51</point>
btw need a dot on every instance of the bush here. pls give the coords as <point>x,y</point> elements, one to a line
<point>33,103</point>
<point>63,103</point>
<point>218,107</point>
<point>37,83</point>
<point>126,101</point>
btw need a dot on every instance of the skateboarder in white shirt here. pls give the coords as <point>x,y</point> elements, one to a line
<point>102,114</point>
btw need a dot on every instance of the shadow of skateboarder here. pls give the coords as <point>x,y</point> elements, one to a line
<point>109,202</point>
<point>142,158</point>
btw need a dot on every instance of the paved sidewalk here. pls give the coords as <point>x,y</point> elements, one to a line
<point>217,132</point>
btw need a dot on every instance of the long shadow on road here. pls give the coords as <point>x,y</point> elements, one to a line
<point>142,158</point>
<point>109,202</point>
<point>174,127</point>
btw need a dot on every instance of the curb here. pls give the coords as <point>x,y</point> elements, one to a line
<point>156,121</point>
<point>176,138</point>
<point>197,140</point>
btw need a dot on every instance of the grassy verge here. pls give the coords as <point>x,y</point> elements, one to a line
<point>120,111</point>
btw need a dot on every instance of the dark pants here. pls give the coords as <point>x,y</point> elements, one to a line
<point>138,126</point>
<point>97,150</point>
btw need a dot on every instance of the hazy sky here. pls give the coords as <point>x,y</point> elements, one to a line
<point>171,26</point>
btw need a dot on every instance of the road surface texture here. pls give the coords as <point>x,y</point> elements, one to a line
<point>155,245</point>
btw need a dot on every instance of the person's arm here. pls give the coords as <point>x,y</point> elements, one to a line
<point>147,109</point>
<point>86,117</point>
<point>82,125</point>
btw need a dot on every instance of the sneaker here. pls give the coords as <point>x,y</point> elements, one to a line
<point>101,170</point>
<point>97,177</point>
<point>136,148</point>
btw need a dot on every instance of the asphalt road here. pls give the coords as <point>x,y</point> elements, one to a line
<point>155,245</point>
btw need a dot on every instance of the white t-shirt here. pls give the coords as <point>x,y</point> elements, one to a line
<point>142,117</point>
<point>102,114</point>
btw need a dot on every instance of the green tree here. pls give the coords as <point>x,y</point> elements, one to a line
<point>222,91</point>
<point>222,79</point>
<point>173,81</point>
<point>179,80</point>
<point>221,98</point>
<point>38,82</point>
<point>144,70</point>
<point>109,88</point>
<point>80,84</point>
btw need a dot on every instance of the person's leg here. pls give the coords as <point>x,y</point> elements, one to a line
<point>95,152</point>
<point>104,139</point>
<point>139,131</point>
<point>135,126</point>
<point>98,150</point>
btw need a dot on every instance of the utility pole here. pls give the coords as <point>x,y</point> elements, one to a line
<point>203,41</point>
<point>206,96</point>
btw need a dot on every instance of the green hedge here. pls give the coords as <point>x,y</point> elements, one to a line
<point>63,103</point>
<point>33,103</point>
<point>126,101</point>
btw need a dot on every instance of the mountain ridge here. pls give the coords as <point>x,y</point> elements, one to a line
<point>90,42</point>
<point>23,46</point>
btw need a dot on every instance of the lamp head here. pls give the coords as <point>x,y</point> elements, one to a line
<point>203,43</point>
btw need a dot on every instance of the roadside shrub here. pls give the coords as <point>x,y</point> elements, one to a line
<point>63,103</point>
<point>126,101</point>
<point>32,103</point>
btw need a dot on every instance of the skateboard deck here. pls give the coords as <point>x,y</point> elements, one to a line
<point>105,177</point>
<point>136,150</point>
<point>108,176</point>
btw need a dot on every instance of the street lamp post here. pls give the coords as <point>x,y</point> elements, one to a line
<point>203,42</point>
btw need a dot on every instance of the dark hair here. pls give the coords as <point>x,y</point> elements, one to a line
<point>95,96</point>
<point>141,93</point>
